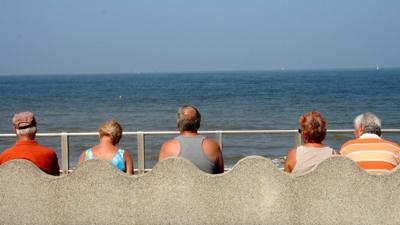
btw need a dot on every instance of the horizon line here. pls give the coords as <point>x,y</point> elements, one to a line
<point>283,69</point>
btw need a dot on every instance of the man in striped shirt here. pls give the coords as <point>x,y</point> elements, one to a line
<point>369,150</point>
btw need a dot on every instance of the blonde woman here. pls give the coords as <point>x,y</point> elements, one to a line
<point>110,134</point>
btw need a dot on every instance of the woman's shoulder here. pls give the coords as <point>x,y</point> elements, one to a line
<point>122,152</point>
<point>292,152</point>
<point>88,153</point>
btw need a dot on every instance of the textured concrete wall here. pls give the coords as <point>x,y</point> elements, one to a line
<point>176,192</point>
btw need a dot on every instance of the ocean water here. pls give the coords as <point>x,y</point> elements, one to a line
<point>226,100</point>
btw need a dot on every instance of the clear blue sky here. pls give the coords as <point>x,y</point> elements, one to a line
<point>96,36</point>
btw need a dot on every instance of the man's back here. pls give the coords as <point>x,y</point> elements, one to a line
<point>43,157</point>
<point>201,151</point>
<point>191,148</point>
<point>372,153</point>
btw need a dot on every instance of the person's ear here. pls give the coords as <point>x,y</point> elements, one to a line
<point>358,132</point>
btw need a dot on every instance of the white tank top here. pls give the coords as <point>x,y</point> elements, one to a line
<point>308,157</point>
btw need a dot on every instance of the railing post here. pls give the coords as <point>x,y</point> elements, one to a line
<point>220,139</point>
<point>298,139</point>
<point>140,152</point>
<point>64,153</point>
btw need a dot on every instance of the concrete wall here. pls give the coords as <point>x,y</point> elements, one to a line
<point>176,192</point>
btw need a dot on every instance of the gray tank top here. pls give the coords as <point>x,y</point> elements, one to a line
<point>308,158</point>
<point>191,149</point>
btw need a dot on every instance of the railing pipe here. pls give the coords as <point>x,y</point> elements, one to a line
<point>220,139</point>
<point>140,152</point>
<point>243,132</point>
<point>64,153</point>
<point>141,140</point>
<point>298,139</point>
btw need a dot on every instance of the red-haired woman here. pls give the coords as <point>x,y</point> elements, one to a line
<point>313,151</point>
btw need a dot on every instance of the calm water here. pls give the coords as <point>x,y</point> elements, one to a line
<point>245,100</point>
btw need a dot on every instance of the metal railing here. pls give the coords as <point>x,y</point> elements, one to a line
<point>141,137</point>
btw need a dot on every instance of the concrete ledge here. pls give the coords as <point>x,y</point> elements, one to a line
<point>176,192</point>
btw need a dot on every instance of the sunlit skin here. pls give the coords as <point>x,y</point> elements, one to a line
<point>358,132</point>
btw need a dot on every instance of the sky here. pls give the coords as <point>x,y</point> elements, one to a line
<point>138,36</point>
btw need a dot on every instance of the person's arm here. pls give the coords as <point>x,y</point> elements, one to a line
<point>55,168</point>
<point>169,149</point>
<point>290,161</point>
<point>398,154</point>
<point>81,158</point>
<point>214,153</point>
<point>128,162</point>
<point>221,161</point>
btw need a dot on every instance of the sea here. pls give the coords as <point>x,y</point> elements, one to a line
<point>253,100</point>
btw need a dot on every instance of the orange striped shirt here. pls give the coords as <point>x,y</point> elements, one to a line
<point>372,153</point>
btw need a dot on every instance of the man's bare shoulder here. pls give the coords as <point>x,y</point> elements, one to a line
<point>213,152</point>
<point>210,145</point>
<point>171,144</point>
<point>169,148</point>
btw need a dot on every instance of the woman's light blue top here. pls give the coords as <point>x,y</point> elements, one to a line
<point>118,159</point>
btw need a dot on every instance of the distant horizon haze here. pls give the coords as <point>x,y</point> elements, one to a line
<point>280,70</point>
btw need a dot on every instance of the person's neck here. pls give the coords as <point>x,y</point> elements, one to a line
<point>105,141</point>
<point>369,135</point>
<point>188,133</point>
<point>25,138</point>
<point>316,145</point>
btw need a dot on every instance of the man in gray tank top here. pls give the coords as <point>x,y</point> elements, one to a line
<point>201,151</point>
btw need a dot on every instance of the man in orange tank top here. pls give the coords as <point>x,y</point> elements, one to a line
<point>369,150</point>
<point>45,158</point>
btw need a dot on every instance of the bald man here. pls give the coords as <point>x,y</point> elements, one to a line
<point>201,151</point>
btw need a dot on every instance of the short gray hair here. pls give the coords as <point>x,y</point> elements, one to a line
<point>369,122</point>
<point>26,131</point>
<point>188,123</point>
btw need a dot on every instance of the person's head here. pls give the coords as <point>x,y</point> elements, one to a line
<point>188,118</point>
<point>24,124</point>
<point>367,123</point>
<point>111,129</point>
<point>313,127</point>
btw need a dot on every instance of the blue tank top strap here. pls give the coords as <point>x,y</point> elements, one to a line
<point>119,160</point>
<point>88,154</point>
